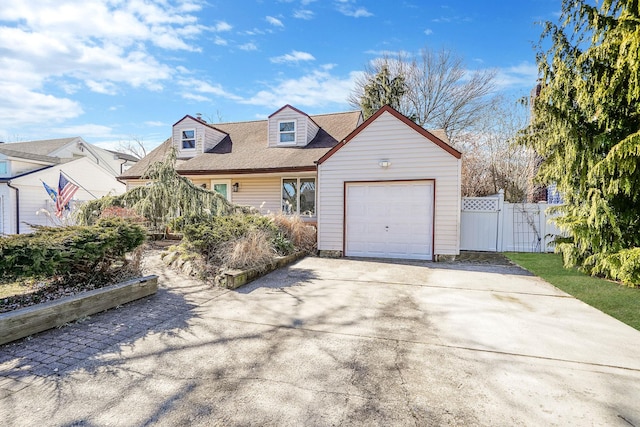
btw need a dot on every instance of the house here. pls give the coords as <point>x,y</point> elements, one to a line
<point>384,187</point>
<point>24,166</point>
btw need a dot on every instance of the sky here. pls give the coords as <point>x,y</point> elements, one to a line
<point>113,71</point>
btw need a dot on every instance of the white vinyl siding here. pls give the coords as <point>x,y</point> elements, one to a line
<point>205,136</point>
<point>33,196</point>
<point>262,193</point>
<point>412,157</point>
<point>17,167</point>
<point>133,183</point>
<point>306,130</point>
<point>312,130</point>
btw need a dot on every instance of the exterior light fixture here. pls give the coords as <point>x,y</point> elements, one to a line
<point>235,187</point>
<point>384,163</point>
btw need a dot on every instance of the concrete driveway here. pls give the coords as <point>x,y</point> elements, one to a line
<point>339,342</point>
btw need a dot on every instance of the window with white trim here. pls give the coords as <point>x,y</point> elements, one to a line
<point>222,186</point>
<point>287,132</point>
<point>299,196</point>
<point>188,139</point>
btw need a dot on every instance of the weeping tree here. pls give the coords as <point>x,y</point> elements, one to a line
<point>585,126</point>
<point>166,196</point>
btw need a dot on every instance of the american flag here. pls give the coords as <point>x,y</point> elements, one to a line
<point>66,190</point>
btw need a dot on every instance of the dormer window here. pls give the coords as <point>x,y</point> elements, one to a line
<point>189,139</point>
<point>287,132</point>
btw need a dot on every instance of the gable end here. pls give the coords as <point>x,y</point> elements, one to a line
<point>422,131</point>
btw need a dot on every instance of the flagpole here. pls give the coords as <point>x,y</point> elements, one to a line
<point>78,184</point>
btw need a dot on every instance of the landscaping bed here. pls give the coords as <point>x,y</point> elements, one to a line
<point>56,312</point>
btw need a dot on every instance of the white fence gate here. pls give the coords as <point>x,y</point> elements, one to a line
<point>479,223</point>
<point>490,224</point>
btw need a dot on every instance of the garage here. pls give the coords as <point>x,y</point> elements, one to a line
<point>389,219</point>
<point>391,189</point>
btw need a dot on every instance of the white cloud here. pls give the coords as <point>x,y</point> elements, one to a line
<point>99,44</point>
<point>428,31</point>
<point>195,97</point>
<point>85,130</point>
<point>523,75</point>
<point>106,88</point>
<point>294,56</point>
<point>155,123</point>
<point>248,47</point>
<point>317,89</point>
<point>195,87</point>
<point>303,14</point>
<point>457,19</point>
<point>222,26</point>
<point>21,106</point>
<point>274,21</point>
<point>220,41</point>
<point>349,8</point>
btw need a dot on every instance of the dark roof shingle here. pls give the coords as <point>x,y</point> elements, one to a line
<point>246,149</point>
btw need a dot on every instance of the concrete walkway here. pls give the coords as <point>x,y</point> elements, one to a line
<point>334,342</point>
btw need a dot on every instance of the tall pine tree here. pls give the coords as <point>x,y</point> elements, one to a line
<point>585,126</point>
<point>382,90</point>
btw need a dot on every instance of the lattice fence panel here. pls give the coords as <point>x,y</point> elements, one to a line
<point>479,204</point>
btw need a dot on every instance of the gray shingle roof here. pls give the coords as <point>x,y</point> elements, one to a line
<point>246,148</point>
<point>42,148</point>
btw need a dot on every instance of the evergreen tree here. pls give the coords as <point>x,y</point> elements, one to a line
<point>585,125</point>
<point>382,90</point>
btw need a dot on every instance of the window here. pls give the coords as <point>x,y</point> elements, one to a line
<point>3,167</point>
<point>287,132</point>
<point>222,186</point>
<point>189,139</point>
<point>299,196</point>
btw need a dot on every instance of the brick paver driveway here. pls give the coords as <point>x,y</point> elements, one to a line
<point>333,342</point>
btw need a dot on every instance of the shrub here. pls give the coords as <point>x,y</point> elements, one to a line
<point>210,233</point>
<point>623,266</point>
<point>64,251</point>
<point>250,250</point>
<point>299,233</point>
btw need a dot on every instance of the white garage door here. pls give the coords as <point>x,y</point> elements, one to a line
<point>389,219</point>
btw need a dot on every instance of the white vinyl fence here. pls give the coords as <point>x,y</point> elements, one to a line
<point>491,224</point>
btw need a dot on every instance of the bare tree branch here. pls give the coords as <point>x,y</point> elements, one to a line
<point>440,92</point>
<point>134,146</point>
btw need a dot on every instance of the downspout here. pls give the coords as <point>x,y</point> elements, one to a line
<point>17,206</point>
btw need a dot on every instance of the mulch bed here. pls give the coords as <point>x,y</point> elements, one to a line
<point>43,291</point>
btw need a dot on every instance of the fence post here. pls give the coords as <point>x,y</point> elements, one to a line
<point>542,218</point>
<point>499,245</point>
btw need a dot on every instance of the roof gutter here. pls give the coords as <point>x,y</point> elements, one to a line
<point>8,180</point>
<point>17,190</point>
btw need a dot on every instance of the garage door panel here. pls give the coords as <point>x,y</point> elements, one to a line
<point>389,219</point>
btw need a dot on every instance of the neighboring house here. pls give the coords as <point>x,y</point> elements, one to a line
<point>369,186</point>
<point>24,166</point>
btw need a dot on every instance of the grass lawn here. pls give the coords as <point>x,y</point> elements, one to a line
<point>619,301</point>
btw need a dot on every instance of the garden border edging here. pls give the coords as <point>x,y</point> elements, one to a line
<point>27,321</point>
<point>233,279</point>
